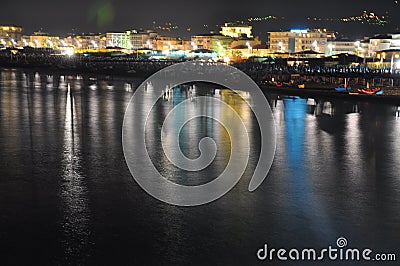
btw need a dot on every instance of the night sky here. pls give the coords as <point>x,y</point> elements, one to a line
<point>60,17</point>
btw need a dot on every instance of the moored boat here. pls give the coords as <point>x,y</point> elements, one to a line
<point>370,91</point>
<point>344,87</point>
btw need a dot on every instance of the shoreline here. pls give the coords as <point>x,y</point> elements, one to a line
<point>309,93</point>
<point>142,75</point>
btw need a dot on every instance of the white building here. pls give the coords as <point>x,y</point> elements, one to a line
<point>336,47</point>
<point>383,42</point>
<point>119,39</point>
<point>295,41</point>
<point>142,39</point>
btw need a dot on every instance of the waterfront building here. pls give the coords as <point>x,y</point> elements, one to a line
<point>260,50</point>
<point>236,31</point>
<point>214,42</point>
<point>143,39</point>
<point>41,39</point>
<point>362,47</point>
<point>119,39</point>
<point>295,41</point>
<point>249,42</point>
<point>241,52</point>
<point>379,43</point>
<point>165,43</point>
<point>388,59</point>
<point>86,41</point>
<point>10,35</point>
<point>335,47</point>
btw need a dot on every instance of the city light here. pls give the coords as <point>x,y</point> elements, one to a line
<point>193,45</point>
<point>315,45</point>
<point>69,51</point>
<point>282,48</point>
<point>248,45</point>
<point>237,48</point>
<point>149,44</point>
<point>300,31</point>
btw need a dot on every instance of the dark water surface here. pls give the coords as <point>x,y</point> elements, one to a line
<point>67,196</point>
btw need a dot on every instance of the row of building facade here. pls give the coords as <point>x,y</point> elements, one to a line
<point>233,41</point>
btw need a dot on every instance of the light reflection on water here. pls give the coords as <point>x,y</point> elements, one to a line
<point>66,195</point>
<point>73,189</point>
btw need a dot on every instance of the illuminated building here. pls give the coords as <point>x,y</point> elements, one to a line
<point>89,41</point>
<point>119,39</point>
<point>43,40</point>
<point>236,31</point>
<point>10,35</point>
<point>383,42</point>
<point>342,47</point>
<point>389,59</point>
<point>245,51</point>
<point>214,42</point>
<point>245,41</point>
<point>298,40</point>
<point>142,39</point>
<point>362,49</point>
<point>169,43</point>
